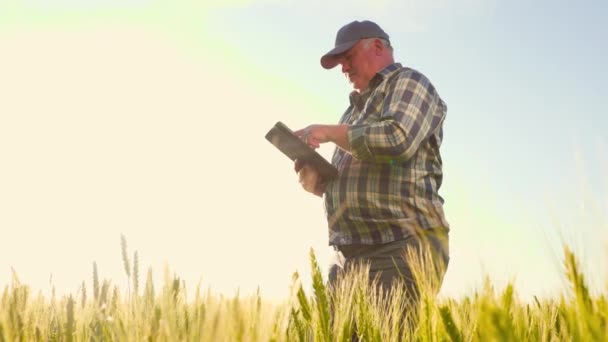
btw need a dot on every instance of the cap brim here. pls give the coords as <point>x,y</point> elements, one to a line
<point>330,59</point>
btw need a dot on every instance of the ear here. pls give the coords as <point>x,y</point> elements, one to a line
<point>378,47</point>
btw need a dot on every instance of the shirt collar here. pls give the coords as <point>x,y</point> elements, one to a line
<point>384,73</point>
<point>358,99</point>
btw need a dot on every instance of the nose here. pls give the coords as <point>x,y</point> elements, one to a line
<point>345,66</point>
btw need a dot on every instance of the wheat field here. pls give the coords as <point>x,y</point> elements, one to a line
<point>353,309</point>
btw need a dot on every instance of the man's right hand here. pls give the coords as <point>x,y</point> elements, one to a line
<point>309,178</point>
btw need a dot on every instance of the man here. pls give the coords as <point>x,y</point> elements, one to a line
<point>385,199</point>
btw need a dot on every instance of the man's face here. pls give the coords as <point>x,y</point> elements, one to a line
<point>357,67</point>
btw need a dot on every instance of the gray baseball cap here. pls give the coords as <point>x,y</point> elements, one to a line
<point>348,36</point>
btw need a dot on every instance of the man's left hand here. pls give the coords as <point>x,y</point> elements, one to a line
<point>309,178</point>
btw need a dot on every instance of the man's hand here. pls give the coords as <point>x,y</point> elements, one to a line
<point>309,178</point>
<point>315,135</point>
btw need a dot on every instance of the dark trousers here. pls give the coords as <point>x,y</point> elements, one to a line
<point>387,262</point>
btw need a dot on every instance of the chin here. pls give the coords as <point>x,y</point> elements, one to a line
<point>359,86</point>
<point>359,89</point>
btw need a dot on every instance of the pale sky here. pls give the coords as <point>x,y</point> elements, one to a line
<point>147,118</point>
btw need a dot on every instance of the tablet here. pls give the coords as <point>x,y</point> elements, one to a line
<point>293,147</point>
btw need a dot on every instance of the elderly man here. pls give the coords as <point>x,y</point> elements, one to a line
<point>385,199</point>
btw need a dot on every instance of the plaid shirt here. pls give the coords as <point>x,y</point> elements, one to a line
<point>387,185</point>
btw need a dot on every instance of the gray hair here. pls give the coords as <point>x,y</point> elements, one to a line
<point>368,41</point>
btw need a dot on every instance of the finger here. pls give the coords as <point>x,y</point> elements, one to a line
<point>303,179</point>
<point>314,143</point>
<point>302,134</point>
<point>298,165</point>
<point>308,179</point>
<point>304,172</point>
